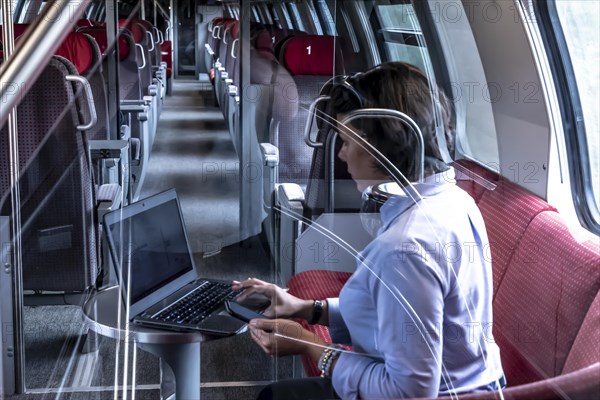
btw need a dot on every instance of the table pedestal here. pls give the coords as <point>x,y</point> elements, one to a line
<point>180,367</point>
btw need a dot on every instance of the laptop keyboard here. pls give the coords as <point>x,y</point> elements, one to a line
<point>199,304</point>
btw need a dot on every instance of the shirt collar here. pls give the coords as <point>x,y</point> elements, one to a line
<point>431,185</point>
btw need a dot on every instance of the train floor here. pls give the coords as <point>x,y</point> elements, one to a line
<point>194,154</point>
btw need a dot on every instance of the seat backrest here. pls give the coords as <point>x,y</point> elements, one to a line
<point>140,39</point>
<point>154,48</point>
<point>59,236</point>
<point>546,279</point>
<point>212,36</point>
<point>83,52</point>
<point>310,60</point>
<point>585,350</point>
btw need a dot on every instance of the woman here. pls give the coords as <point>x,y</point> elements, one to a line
<point>418,309</point>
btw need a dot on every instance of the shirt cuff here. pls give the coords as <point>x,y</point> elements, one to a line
<point>348,370</point>
<point>337,327</point>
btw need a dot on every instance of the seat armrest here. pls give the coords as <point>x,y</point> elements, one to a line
<point>290,196</point>
<point>141,109</point>
<point>108,197</point>
<point>112,153</point>
<point>270,154</point>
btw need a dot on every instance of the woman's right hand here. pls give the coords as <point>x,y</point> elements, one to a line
<point>283,304</point>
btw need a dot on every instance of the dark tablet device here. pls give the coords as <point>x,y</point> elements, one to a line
<point>241,312</point>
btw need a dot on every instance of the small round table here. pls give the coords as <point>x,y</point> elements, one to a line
<point>105,315</point>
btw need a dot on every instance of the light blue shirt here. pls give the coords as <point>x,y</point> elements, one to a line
<point>418,308</point>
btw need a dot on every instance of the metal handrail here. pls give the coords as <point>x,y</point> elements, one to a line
<point>89,98</point>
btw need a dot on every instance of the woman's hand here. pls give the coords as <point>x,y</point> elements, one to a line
<point>283,304</point>
<point>282,337</point>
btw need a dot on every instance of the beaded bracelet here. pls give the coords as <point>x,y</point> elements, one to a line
<point>330,354</point>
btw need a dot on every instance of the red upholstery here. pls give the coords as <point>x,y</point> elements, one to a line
<point>19,29</point>
<point>99,34</point>
<point>167,47</point>
<point>85,23</point>
<point>317,284</point>
<point>544,297</point>
<point>546,293</point>
<point>78,50</point>
<point>309,55</point>
<point>264,41</point>
<point>506,221</point>
<point>585,350</point>
<point>137,31</point>
<point>235,30</point>
<point>146,24</point>
<point>579,385</point>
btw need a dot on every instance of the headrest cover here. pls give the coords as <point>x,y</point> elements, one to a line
<point>138,32</point>
<point>19,29</point>
<point>102,39</point>
<point>309,55</point>
<point>147,24</point>
<point>78,50</point>
<point>264,41</point>
<point>84,23</point>
<point>235,30</point>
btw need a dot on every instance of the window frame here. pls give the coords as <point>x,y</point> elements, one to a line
<point>569,101</point>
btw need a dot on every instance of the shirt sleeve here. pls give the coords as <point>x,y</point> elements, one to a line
<point>337,327</point>
<point>409,302</point>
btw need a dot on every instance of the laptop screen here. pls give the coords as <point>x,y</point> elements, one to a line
<point>153,246</point>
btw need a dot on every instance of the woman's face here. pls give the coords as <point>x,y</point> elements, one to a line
<point>361,165</point>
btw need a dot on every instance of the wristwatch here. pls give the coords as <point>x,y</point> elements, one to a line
<point>317,312</point>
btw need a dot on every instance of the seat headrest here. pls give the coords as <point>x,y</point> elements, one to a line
<point>84,23</point>
<point>137,30</point>
<point>19,29</point>
<point>264,41</point>
<point>77,49</point>
<point>99,34</point>
<point>235,30</point>
<point>309,55</point>
<point>146,24</point>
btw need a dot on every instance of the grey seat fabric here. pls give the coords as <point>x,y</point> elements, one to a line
<point>59,234</point>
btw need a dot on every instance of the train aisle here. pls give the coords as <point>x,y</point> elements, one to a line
<point>193,153</point>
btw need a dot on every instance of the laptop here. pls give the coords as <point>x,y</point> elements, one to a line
<point>157,273</point>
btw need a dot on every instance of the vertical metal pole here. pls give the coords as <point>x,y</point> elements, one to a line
<point>17,272</point>
<point>155,14</point>
<point>143,11</point>
<point>112,31</point>
<point>248,198</point>
<point>175,38</point>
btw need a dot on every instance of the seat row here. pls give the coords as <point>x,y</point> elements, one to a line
<point>71,167</point>
<point>287,71</point>
<point>546,284</point>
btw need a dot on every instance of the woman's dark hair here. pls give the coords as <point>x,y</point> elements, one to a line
<point>403,87</point>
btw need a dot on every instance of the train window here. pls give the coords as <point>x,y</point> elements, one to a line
<point>327,21</point>
<point>264,12</point>
<point>286,15</point>
<point>314,17</point>
<point>573,28</point>
<point>295,16</point>
<point>255,15</point>
<point>401,34</point>
<point>274,16</point>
